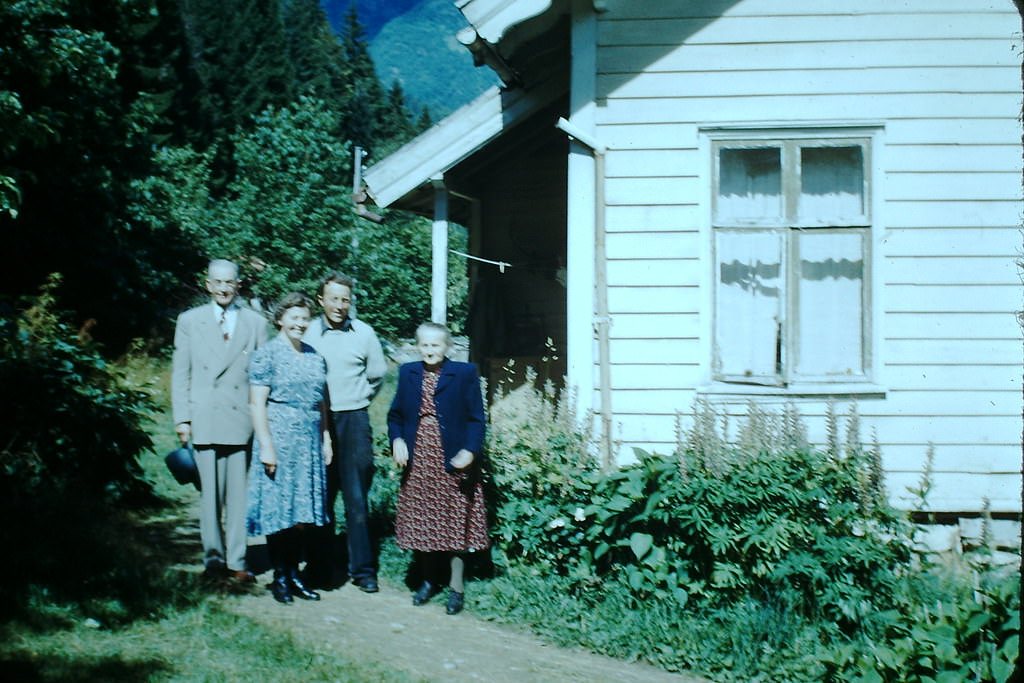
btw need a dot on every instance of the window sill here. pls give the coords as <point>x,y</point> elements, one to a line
<point>836,390</point>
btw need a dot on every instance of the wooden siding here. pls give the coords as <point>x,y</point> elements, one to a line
<point>942,84</point>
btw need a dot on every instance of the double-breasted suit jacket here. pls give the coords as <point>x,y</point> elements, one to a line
<point>210,376</point>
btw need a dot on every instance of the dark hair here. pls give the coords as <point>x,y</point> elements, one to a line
<point>337,277</point>
<point>293,300</point>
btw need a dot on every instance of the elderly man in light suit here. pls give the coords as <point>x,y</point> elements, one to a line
<point>210,399</point>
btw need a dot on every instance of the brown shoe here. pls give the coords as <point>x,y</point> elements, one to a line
<point>243,576</point>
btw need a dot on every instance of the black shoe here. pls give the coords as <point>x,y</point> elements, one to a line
<point>299,589</point>
<point>279,588</point>
<point>455,602</point>
<point>367,584</point>
<point>425,592</point>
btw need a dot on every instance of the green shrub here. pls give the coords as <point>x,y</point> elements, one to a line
<point>69,459</point>
<point>75,427</point>
<point>769,519</point>
<point>965,635</point>
<point>758,557</point>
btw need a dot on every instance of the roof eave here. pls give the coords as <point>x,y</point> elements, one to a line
<point>438,149</point>
<point>493,18</point>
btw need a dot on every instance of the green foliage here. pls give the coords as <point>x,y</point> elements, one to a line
<point>765,519</point>
<point>540,462</point>
<point>69,465</point>
<point>97,89</point>
<point>973,635</point>
<point>287,216</point>
<point>75,425</point>
<point>75,96</point>
<point>757,558</point>
<point>238,64</point>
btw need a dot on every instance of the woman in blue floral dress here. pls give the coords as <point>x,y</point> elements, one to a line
<point>288,486</point>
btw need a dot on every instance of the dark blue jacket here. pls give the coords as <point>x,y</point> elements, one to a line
<point>460,409</point>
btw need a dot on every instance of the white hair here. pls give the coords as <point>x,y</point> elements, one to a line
<point>220,262</point>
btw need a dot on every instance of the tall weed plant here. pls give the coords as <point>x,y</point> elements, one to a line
<point>539,457</point>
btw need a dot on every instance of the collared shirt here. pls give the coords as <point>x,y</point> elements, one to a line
<point>355,361</point>
<point>230,316</point>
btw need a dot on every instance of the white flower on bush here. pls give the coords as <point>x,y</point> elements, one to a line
<point>556,523</point>
<point>579,515</point>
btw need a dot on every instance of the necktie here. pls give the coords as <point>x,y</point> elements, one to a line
<point>224,323</point>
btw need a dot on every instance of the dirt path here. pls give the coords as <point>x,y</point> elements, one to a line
<point>423,642</point>
<point>430,645</point>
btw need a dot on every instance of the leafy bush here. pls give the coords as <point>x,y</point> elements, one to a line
<point>967,635</point>
<point>69,467</point>
<point>769,518</point>
<point>287,217</point>
<point>75,428</point>
<point>756,558</point>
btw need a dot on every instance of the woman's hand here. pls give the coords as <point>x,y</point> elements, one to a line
<point>400,452</point>
<point>328,450</point>
<point>268,456</point>
<point>463,459</point>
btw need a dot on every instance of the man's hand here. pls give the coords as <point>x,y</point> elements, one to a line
<point>328,450</point>
<point>400,452</point>
<point>462,459</point>
<point>184,431</point>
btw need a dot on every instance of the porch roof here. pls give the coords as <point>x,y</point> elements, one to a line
<point>402,179</point>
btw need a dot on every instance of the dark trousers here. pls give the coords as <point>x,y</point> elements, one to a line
<point>351,472</point>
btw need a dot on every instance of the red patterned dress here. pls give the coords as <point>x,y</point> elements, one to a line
<point>433,512</point>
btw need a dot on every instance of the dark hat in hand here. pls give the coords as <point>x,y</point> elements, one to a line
<point>182,464</point>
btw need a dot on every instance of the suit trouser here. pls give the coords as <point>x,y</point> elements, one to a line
<point>352,471</point>
<point>222,504</point>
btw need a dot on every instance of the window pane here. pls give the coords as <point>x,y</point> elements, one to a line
<point>831,183</point>
<point>748,305</point>
<point>830,339</point>
<point>749,183</point>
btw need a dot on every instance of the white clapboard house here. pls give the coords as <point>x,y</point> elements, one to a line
<point>734,200</point>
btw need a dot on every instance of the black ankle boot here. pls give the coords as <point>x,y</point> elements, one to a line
<point>279,587</point>
<point>298,588</point>
<point>425,592</point>
<point>455,602</point>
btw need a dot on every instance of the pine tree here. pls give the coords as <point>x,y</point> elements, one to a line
<point>363,102</point>
<point>396,124</point>
<point>313,50</point>
<point>237,55</point>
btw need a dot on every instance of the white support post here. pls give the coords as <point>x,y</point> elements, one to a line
<point>581,284</point>
<point>439,258</point>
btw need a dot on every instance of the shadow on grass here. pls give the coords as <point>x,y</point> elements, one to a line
<point>27,669</point>
<point>67,558</point>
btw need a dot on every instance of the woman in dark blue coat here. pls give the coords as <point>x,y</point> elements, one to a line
<point>436,427</point>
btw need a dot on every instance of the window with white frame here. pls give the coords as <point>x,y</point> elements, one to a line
<point>791,222</point>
